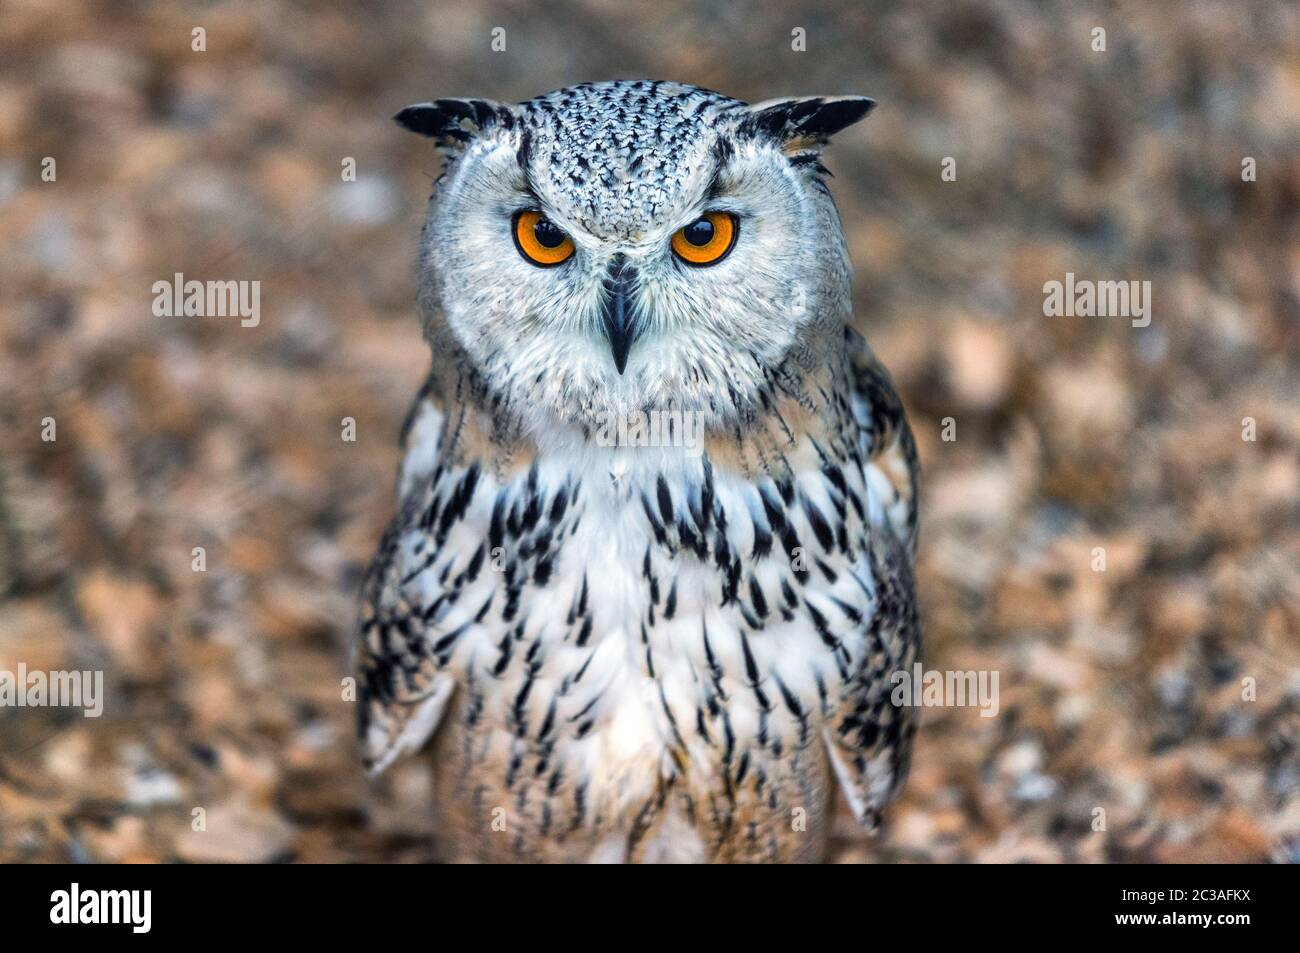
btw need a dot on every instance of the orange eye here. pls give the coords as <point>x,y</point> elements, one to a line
<point>540,240</point>
<point>706,240</point>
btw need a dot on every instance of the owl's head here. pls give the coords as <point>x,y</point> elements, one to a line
<point>630,246</point>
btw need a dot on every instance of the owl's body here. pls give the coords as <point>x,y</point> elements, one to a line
<point>626,652</point>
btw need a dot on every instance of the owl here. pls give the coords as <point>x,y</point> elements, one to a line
<point>650,577</point>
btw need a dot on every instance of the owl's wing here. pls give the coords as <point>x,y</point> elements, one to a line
<point>868,737</point>
<point>401,691</point>
<point>885,440</point>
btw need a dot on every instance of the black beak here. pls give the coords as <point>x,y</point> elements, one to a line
<point>616,311</point>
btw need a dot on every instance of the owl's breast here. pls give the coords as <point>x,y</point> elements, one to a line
<point>557,730</point>
<point>640,645</point>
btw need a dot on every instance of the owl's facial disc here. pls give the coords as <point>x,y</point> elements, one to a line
<point>619,246</point>
<point>702,242</point>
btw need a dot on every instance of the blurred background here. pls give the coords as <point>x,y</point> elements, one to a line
<point>1120,689</point>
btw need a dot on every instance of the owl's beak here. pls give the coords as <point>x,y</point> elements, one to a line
<point>616,310</point>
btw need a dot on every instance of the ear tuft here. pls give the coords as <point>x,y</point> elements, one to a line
<point>801,124</point>
<point>454,122</point>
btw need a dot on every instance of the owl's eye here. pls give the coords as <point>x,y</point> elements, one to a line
<point>540,240</point>
<point>706,240</point>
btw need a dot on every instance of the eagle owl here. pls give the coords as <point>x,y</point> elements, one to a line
<point>651,571</point>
